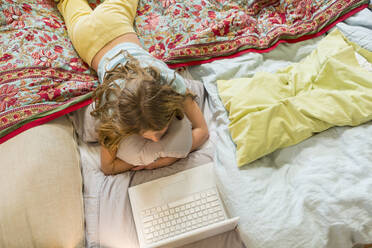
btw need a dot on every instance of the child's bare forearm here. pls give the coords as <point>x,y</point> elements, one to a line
<point>200,132</point>
<point>119,166</point>
<point>161,162</point>
<point>199,137</point>
<point>110,164</point>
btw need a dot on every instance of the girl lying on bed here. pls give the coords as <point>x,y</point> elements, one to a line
<point>147,117</point>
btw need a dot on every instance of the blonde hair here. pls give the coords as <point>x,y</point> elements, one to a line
<point>145,103</point>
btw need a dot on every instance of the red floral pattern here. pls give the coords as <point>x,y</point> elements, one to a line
<point>44,58</point>
<point>14,17</point>
<point>40,71</point>
<point>190,32</point>
<point>7,96</point>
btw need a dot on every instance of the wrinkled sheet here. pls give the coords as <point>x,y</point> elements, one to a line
<point>108,214</point>
<point>314,194</point>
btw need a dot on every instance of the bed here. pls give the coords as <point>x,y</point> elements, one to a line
<point>313,194</point>
<point>109,221</point>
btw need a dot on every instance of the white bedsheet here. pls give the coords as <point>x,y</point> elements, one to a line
<point>108,214</point>
<point>314,194</point>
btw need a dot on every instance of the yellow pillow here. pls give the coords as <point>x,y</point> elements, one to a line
<point>275,110</point>
<point>41,188</point>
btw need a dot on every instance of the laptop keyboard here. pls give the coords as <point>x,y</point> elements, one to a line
<point>184,215</point>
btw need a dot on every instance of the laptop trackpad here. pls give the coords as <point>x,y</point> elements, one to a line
<point>174,190</point>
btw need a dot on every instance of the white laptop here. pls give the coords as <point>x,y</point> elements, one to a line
<point>179,209</point>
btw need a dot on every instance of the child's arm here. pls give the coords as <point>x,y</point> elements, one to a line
<point>200,133</point>
<point>110,164</point>
<point>161,162</point>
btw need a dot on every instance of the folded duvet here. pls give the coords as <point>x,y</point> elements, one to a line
<point>330,87</point>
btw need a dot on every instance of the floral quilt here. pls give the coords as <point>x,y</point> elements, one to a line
<point>41,75</point>
<point>192,32</point>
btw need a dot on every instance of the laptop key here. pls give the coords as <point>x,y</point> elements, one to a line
<point>148,218</point>
<point>183,215</point>
<point>181,202</point>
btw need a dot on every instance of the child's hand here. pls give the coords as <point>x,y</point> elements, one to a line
<point>137,168</point>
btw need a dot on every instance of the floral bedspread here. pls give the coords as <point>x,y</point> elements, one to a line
<point>197,31</point>
<point>41,75</point>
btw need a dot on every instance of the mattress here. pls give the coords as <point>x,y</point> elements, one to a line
<point>313,194</point>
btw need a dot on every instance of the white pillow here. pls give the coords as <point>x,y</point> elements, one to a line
<point>42,190</point>
<point>85,124</point>
<point>135,149</point>
<point>177,142</point>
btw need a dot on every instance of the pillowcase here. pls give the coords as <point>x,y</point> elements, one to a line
<point>176,142</point>
<point>275,110</point>
<point>41,188</point>
<point>85,124</point>
<point>135,149</point>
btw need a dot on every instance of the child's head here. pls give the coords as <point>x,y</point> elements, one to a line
<point>145,106</point>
